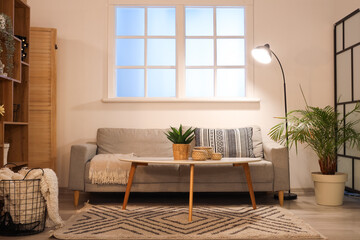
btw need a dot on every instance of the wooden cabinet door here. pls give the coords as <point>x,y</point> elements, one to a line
<point>42,98</point>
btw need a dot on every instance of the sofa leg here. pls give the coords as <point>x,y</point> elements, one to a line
<point>76,198</point>
<point>281,198</point>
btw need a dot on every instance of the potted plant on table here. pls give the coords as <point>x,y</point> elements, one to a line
<point>181,142</point>
<point>325,132</point>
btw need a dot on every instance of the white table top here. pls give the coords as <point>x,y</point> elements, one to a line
<point>164,160</point>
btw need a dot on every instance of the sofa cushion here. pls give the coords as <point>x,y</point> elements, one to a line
<point>257,142</point>
<point>141,142</point>
<point>235,142</point>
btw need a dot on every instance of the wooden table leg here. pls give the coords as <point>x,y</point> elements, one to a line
<point>128,186</point>
<point>249,182</point>
<point>76,198</point>
<point>281,198</point>
<point>191,191</point>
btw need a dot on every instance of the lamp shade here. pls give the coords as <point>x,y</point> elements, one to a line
<point>262,54</point>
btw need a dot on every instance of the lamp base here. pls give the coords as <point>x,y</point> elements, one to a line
<point>287,196</point>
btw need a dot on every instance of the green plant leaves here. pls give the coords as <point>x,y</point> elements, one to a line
<point>176,136</point>
<point>322,129</point>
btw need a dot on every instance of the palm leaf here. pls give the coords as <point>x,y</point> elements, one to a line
<point>321,129</point>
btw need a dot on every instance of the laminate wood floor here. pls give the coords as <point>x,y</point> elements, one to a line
<point>336,223</point>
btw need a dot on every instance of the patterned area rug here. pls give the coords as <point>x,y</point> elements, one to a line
<point>110,222</point>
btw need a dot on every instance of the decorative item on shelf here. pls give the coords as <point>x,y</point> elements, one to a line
<point>23,56</point>
<point>216,156</point>
<point>199,155</point>
<point>24,46</point>
<point>181,142</point>
<point>209,151</point>
<point>7,44</point>
<point>6,151</point>
<point>16,110</point>
<point>2,110</point>
<point>2,67</point>
<point>325,131</point>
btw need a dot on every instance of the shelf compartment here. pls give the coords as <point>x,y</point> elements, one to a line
<point>17,136</point>
<point>7,7</point>
<point>16,73</point>
<point>6,98</point>
<point>21,98</point>
<point>22,23</point>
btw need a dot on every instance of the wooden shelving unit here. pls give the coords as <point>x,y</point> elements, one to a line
<point>14,89</point>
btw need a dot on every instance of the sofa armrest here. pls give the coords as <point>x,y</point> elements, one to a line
<point>279,156</point>
<point>79,155</point>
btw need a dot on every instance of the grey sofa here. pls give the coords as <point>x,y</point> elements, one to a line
<point>270,174</point>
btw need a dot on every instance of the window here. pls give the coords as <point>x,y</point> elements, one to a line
<point>179,50</point>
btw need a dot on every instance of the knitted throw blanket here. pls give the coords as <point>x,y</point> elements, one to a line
<point>108,169</point>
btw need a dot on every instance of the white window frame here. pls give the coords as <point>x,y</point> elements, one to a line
<point>180,49</point>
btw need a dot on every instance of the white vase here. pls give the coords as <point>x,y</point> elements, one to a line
<point>329,189</point>
<point>6,151</point>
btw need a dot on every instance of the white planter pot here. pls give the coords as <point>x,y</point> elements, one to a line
<point>329,189</point>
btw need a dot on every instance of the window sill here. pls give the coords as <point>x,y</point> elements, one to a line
<point>180,100</point>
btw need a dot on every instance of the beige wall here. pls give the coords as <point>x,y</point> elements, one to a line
<point>299,31</point>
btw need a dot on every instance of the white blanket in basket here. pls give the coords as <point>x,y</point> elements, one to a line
<point>22,197</point>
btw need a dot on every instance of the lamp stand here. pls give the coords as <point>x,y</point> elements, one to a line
<point>288,195</point>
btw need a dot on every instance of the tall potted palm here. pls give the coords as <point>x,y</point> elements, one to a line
<point>325,131</point>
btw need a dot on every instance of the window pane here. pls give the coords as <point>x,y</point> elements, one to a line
<point>130,21</point>
<point>130,83</point>
<point>161,52</point>
<point>199,52</point>
<point>230,82</point>
<point>230,21</point>
<point>230,52</point>
<point>199,82</point>
<point>161,82</point>
<point>161,22</point>
<point>199,22</point>
<point>130,52</point>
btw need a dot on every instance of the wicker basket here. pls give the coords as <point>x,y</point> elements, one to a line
<point>216,156</point>
<point>209,151</point>
<point>199,155</point>
<point>181,151</point>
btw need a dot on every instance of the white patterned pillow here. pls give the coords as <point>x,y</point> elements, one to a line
<point>235,142</point>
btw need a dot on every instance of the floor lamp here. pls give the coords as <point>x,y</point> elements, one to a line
<point>263,54</point>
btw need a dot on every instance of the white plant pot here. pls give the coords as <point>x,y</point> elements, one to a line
<point>329,189</point>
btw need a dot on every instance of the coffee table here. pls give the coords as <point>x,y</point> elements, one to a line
<point>145,161</point>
